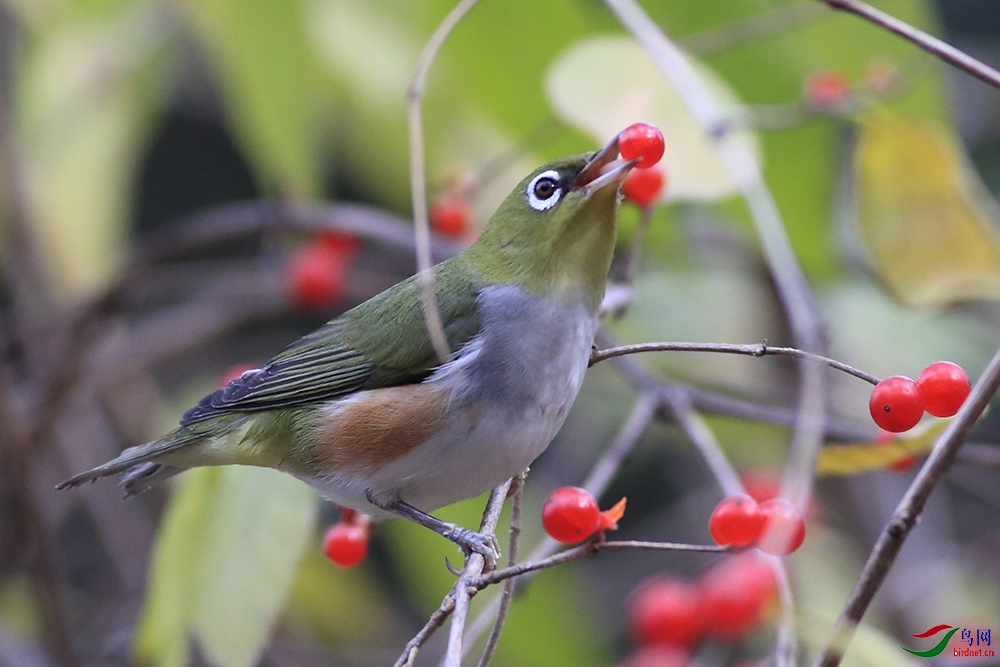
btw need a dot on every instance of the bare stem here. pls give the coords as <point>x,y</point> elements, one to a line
<point>929,43</point>
<point>516,489</point>
<point>760,26</point>
<point>418,176</point>
<point>465,587</point>
<point>433,623</point>
<point>759,350</point>
<point>907,514</point>
<point>590,548</point>
<point>789,279</point>
<point>704,440</point>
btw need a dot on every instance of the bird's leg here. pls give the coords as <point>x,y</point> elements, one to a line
<point>469,540</point>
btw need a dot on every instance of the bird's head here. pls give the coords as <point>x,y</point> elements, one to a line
<point>555,232</point>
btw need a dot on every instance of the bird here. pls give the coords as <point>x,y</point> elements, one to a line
<point>364,410</point>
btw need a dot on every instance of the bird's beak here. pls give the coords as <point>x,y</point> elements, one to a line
<point>603,168</point>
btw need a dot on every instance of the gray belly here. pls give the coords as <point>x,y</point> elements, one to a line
<point>512,389</point>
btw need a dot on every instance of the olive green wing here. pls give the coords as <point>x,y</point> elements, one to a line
<point>380,343</point>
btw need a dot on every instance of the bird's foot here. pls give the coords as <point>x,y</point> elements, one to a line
<point>471,542</point>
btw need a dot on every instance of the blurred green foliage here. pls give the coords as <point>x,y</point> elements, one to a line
<point>314,92</point>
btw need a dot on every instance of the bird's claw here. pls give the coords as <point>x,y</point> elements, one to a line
<point>471,542</point>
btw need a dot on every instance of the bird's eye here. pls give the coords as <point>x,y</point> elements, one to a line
<point>544,190</point>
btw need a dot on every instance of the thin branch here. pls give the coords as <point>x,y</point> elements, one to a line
<point>418,176</point>
<point>516,495</point>
<point>436,620</point>
<point>929,43</point>
<point>607,466</point>
<point>465,587</point>
<point>790,282</point>
<point>631,260</point>
<point>761,26</point>
<point>759,350</point>
<point>704,440</point>
<point>588,549</point>
<point>220,225</point>
<point>907,514</point>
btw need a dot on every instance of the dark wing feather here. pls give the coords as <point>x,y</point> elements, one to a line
<point>383,342</point>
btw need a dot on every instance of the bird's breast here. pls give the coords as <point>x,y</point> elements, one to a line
<point>479,419</point>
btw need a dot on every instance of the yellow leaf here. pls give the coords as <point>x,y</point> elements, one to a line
<point>928,231</point>
<point>863,456</point>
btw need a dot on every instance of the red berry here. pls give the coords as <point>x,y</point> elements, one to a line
<point>784,527</point>
<point>234,372</point>
<point>450,216</point>
<point>317,274</point>
<point>827,89</point>
<point>896,404</point>
<point>643,142</point>
<point>944,386</point>
<point>903,464</point>
<point>657,656</point>
<point>347,515</point>
<point>666,611</point>
<point>736,521</point>
<point>880,77</point>
<point>346,544</point>
<point>735,594</point>
<point>341,243</point>
<point>570,515</point>
<point>643,186</point>
<point>900,465</point>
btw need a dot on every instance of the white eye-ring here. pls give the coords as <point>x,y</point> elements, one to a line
<point>544,190</point>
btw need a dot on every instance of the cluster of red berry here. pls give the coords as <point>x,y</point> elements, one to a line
<point>668,617</point>
<point>346,542</point>
<point>775,526</point>
<point>317,275</point>
<point>570,515</point>
<point>645,143</point>
<point>831,90</point>
<point>897,403</point>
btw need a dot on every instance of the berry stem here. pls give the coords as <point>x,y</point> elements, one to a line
<point>755,350</point>
<point>589,548</point>
<point>933,45</point>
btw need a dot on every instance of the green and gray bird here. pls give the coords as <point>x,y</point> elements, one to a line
<point>363,410</point>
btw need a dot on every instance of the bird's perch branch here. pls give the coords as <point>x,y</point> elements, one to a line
<point>466,586</point>
<point>507,596</point>
<point>907,514</point>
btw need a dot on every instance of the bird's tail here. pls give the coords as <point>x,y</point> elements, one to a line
<point>140,461</point>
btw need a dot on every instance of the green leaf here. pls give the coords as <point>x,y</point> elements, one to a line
<point>930,232</point>
<point>86,99</point>
<point>260,50</point>
<point>604,84</point>
<point>224,561</point>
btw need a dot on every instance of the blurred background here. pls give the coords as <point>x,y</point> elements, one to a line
<point>187,186</point>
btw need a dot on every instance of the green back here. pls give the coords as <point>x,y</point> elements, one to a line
<point>381,343</point>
